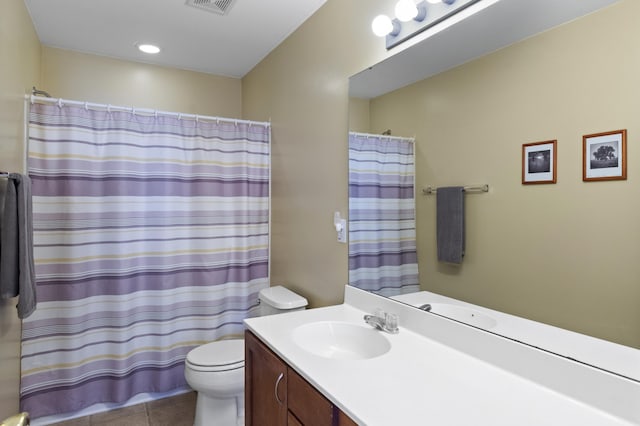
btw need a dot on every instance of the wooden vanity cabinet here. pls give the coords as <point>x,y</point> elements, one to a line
<point>265,379</point>
<point>276,395</point>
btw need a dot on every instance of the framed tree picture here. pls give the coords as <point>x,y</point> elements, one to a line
<point>604,156</point>
<point>539,162</point>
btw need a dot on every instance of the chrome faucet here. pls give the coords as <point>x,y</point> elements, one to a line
<point>383,321</point>
<point>426,307</point>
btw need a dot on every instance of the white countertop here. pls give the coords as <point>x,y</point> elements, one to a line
<point>444,373</point>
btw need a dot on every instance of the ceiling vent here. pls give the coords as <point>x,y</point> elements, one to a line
<point>220,7</point>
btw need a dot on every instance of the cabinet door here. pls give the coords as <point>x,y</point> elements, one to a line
<point>308,405</point>
<point>265,385</point>
<point>293,421</point>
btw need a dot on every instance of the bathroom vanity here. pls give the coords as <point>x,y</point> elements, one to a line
<point>275,394</point>
<point>327,363</point>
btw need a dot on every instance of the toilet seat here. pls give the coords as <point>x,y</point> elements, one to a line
<point>223,355</point>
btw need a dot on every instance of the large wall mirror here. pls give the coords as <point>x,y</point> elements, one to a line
<point>471,97</point>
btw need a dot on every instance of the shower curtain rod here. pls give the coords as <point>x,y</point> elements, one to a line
<point>142,111</point>
<point>372,135</point>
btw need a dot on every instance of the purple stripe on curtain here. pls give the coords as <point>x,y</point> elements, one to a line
<point>84,287</point>
<point>237,322</point>
<point>110,168</point>
<point>380,191</point>
<point>132,187</point>
<point>390,287</point>
<point>389,247</point>
<point>147,312</point>
<point>134,145</point>
<point>158,260</point>
<point>47,401</point>
<point>158,240</point>
<point>225,324</point>
<point>382,259</point>
<point>204,216</point>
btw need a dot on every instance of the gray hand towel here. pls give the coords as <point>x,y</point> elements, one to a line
<point>9,271</point>
<point>17,271</point>
<point>450,224</point>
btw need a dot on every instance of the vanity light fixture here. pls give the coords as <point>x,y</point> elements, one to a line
<point>382,26</point>
<point>407,10</point>
<point>151,49</point>
<point>414,17</point>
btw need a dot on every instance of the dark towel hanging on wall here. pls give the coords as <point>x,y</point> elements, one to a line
<point>17,272</point>
<point>450,224</point>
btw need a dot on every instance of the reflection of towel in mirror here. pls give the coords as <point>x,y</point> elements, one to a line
<point>450,224</point>
<point>17,273</point>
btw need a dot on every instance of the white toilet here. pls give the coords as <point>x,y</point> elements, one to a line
<point>216,370</point>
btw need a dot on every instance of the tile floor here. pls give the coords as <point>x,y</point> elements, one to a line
<point>175,411</point>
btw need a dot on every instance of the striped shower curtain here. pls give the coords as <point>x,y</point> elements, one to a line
<point>150,238</point>
<point>382,235</point>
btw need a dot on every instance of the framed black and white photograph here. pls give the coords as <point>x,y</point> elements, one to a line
<point>604,156</point>
<point>539,162</point>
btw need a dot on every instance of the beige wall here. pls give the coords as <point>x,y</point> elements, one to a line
<point>566,254</point>
<point>83,77</point>
<point>19,70</point>
<point>302,87</point>
<point>359,115</point>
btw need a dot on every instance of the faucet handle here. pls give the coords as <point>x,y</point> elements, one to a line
<point>391,322</point>
<point>383,321</point>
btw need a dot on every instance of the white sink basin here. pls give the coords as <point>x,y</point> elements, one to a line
<point>341,340</point>
<point>463,314</point>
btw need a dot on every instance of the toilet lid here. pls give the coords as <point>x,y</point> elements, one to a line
<point>227,354</point>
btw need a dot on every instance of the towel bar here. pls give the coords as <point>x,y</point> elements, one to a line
<point>472,188</point>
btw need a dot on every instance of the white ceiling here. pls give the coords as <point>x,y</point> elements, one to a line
<point>190,38</point>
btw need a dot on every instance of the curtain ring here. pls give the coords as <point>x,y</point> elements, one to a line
<point>59,102</point>
<point>109,108</point>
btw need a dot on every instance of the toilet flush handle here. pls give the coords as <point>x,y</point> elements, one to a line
<point>276,388</point>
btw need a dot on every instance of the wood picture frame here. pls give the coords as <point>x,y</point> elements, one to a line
<point>539,162</point>
<point>604,156</point>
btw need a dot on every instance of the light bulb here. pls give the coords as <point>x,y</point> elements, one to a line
<point>148,48</point>
<point>381,25</point>
<point>406,10</point>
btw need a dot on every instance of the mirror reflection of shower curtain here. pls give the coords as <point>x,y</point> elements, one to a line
<point>382,234</point>
<point>151,237</point>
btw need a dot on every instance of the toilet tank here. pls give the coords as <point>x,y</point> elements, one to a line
<point>277,300</point>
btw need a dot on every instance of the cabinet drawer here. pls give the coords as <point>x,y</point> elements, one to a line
<point>306,403</point>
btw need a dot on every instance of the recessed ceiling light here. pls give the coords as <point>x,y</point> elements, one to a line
<point>148,48</point>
